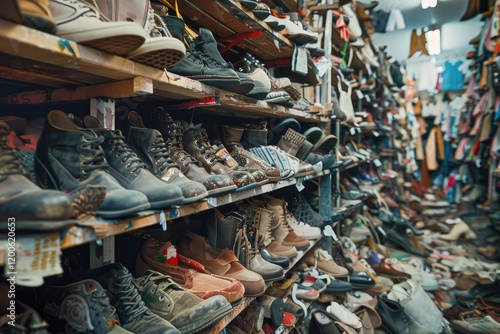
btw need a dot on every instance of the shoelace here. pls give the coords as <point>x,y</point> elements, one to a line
<point>129,300</point>
<point>130,159</point>
<point>206,150</point>
<point>158,283</point>
<point>282,218</point>
<point>175,143</point>
<point>93,156</point>
<point>11,161</point>
<point>160,154</point>
<point>243,243</point>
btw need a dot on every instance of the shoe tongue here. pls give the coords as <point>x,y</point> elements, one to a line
<point>91,122</point>
<point>136,120</point>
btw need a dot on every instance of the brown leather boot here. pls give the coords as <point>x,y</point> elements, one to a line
<point>197,144</point>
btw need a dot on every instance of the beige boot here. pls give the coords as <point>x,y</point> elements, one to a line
<point>457,231</point>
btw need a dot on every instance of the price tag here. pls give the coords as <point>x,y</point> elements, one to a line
<point>376,134</point>
<point>323,64</point>
<point>212,201</point>
<point>276,41</point>
<point>299,61</point>
<point>352,131</point>
<point>163,221</point>
<point>359,94</point>
<point>368,68</point>
<point>36,256</point>
<point>377,163</point>
<point>328,231</point>
<point>299,185</point>
<point>367,97</point>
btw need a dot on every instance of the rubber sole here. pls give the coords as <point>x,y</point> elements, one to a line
<point>160,52</point>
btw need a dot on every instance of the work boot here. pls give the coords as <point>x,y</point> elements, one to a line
<point>68,157</point>
<point>196,65</point>
<point>124,296</point>
<point>221,230</point>
<point>263,221</point>
<point>82,23</point>
<point>160,50</point>
<point>172,133</point>
<point>197,144</point>
<point>206,43</point>
<point>20,198</point>
<point>247,250</point>
<point>186,311</point>
<point>151,148</point>
<point>81,307</point>
<point>280,227</point>
<point>35,14</point>
<point>231,139</point>
<point>126,167</point>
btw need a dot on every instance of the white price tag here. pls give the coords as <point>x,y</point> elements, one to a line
<point>323,64</point>
<point>299,185</point>
<point>368,69</point>
<point>359,94</point>
<point>212,201</point>
<point>367,97</point>
<point>299,61</point>
<point>36,256</point>
<point>328,231</point>
<point>377,163</point>
<point>352,131</point>
<point>376,134</point>
<point>163,221</point>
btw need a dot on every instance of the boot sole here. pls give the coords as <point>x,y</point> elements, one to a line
<point>161,53</point>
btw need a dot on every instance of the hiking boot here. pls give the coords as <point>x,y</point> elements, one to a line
<point>126,167</point>
<point>198,65</point>
<point>186,272</point>
<point>172,133</point>
<point>187,312</point>
<point>19,196</point>
<point>160,50</point>
<point>151,148</point>
<point>81,307</point>
<point>220,262</point>
<point>197,144</point>
<point>80,22</point>
<point>231,139</point>
<point>133,314</point>
<point>68,157</point>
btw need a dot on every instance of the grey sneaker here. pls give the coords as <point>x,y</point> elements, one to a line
<point>186,311</point>
<point>124,296</point>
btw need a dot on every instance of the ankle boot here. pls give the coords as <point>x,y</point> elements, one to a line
<point>172,133</point>
<point>206,43</point>
<point>68,157</point>
<point>221,230</point>
<point>231,139</point>
<point>197,144</point>
<point>160,50</point>
<point>151,148</point>
<point>126,167</point>
<point>20,198</point>
<point>82,23</point>
<point>196,65</point>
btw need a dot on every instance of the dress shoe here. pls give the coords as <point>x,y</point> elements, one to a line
<point>68,157</point>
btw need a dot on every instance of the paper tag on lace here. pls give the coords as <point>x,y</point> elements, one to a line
<point>328,231</point>
<point>377,163</point>
<point>299,185</point>
<point>376,134</point>
<point>36,257</point>
<point>323,64</point>
<point>163,221</point>
<point>299,61</point>
<point>360,94</point>
<point>221,152</point>
<point>352,131</point>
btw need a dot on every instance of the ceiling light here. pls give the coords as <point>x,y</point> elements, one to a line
<point>428,4</point>
<point>433,38</point>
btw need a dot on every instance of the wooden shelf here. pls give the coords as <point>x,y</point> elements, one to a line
<point>76,72</point>
<point>227,18</point>
<point>241,307</point>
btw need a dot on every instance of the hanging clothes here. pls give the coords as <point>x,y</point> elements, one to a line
<point>396,21</point>
<point>452,77</point>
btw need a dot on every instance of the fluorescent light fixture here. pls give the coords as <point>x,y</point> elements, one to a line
<point>433,38</point>
<point>428,4</point>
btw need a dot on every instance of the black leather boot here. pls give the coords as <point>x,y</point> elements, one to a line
<point>68,157</point>
<point>197,144</point>
<point>126,167</point>
<point>151,148</point>
<point>196,65</point>
<point>172,133</point>
<point>20,198</point>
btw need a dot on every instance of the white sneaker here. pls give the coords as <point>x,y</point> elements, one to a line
<point>343,315</point>
<point>303,230</point>
<point>296,33</point>
<point>275,23</point>
<point>80,22</point>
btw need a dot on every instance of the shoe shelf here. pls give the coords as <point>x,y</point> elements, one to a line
<point>228,18</point>
<point>93,229</point>
<point>247,301</point>
<point>28,55</point>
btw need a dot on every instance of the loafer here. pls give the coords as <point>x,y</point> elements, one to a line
<point>361,280</point>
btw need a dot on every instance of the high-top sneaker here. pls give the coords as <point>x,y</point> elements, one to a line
<point>172,133</point>
<point>124,296</point>
<point>247,251</point>
<point>197,144</point>
<point>151,148</point>
<point>160,49</point>
<point>232,141</point>
<point>83,23</point>
<point>263,221</point>
<point>126,167</point>
<point>19,196</point>
<point>282,231</point>
<point>68,157</point>
<point>81,307</point>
